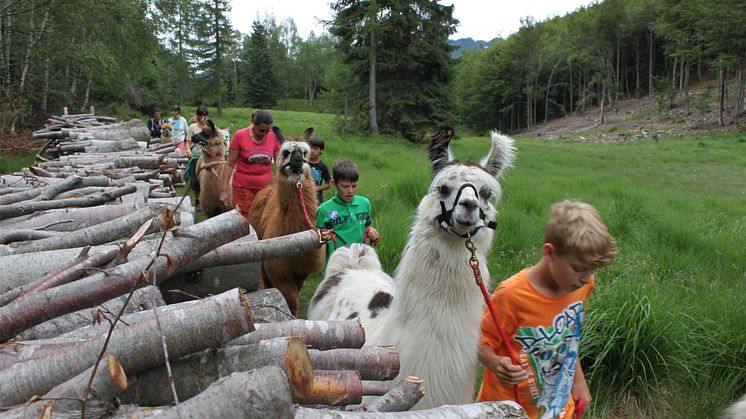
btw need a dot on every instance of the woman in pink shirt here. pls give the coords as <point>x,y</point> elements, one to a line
<point>252,152</point>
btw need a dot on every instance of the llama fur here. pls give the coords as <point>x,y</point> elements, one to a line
<point>277,211</point>
<point>210,167</point>
<point>432,311</point>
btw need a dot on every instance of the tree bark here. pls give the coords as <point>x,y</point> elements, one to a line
<point>69,219</point>
<point>186,245</point>
<point>261,393</point>
<point>99,234</point>
<point>196,372</point>
<point>208,323</point>
<point>110,380</point>
<point>400,398</point>
<point>493,410</point>
<point>371,362</point>
<point>75,270</point>
<point>372,72</point>
<point>333,388</point>
<point>317,334</point>
<point>375,388</point>
<point>26,235</point>
<point>142,299</point>
<point>50,191</point>
<point>23,208</point>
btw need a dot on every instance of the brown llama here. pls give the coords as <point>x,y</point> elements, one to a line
<point>277,211</point>
<point>210,167</point>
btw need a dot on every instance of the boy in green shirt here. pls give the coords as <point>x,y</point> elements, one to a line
<point>347,214</point>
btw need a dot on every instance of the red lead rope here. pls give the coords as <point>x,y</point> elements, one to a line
<point>474,263</point>
<point>299,186</point>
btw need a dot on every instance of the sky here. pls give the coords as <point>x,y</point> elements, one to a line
<point>479,19</point>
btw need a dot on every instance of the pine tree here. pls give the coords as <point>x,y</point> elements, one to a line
<point>259,77</point>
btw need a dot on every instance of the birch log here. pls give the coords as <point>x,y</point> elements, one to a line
<point>183,249</point>
<point>401,398</point>
<point>371,362</point>
<point>209,323</point>
<point>333,388</point>
<point>486,410</point>
<point>194,373</point>
<point>261,393</point>
<point>68,219</point>
<point>316,334</point>
<point>28,207</point>
<point>110,380</point>
<point>115,229</point>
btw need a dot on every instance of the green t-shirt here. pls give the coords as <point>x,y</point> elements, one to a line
<point>347,220</point>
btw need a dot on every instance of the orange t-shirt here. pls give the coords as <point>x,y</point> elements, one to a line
<point>542,332</point>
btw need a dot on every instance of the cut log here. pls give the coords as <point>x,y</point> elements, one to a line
<point>28,207</point>
<point>26,235</point>
<point>316,334</point>
<point>209,323</point>
<point>371,362</point>
<point>261,393</point>
<point>194,373</point>
<point>400,398</point>
<point>493,410</point>
<point>115,229</point>
<point>375,388</point>
<point>81,318</point>
<point>333,388</point>
<point>71,272</point>
<point>75,218</point>
<point>184,248</point>
<point>110,380</point>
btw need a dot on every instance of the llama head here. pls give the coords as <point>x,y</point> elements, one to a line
<point>167,130</point>
<point>294,154</point>
<point>462,196</point>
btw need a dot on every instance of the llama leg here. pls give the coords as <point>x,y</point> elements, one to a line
<point>290,291</point>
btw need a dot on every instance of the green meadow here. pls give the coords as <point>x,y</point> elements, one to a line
<point>665,335</point>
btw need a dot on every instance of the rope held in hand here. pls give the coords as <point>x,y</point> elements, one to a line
<point>299,186</point>
<point>474,263</point>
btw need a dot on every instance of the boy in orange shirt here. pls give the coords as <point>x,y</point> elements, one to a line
<point>541,309</point>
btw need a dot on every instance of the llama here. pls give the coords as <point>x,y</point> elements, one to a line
<point>209,172</point>
<point>278,211</point>
<point>167,132</point>
<point>431,313</point>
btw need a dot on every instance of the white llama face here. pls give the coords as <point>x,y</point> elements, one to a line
<point>294,159</point>
<point>469,191</point>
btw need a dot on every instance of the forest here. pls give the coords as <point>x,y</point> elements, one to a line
<point>382,66</point>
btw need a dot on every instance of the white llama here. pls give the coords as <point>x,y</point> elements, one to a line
<point>431,313</point>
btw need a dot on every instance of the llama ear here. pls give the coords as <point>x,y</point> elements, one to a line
<point>307,133</point>
<point>440,151</point>
<point>501,155</point>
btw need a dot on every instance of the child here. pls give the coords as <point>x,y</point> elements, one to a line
<point>179,129</point>
<point>319,169</point>
<point>541,309</point>
<point>346,213</point>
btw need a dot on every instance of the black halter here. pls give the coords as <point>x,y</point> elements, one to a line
<point>445,219</point>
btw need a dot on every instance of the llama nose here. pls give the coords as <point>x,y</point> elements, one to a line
<point>469,203</point>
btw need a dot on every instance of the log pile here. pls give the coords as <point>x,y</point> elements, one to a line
<point>124,308</point>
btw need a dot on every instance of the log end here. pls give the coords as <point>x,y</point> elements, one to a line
<point>118,376</point>
<point>298,366</point>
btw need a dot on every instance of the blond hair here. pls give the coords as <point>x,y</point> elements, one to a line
<point>575,227</point>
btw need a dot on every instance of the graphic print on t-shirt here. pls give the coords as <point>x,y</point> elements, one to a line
<point>318,177</point>
<point>259,159</point>
<point>551,352</point>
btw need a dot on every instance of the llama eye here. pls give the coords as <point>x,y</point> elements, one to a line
<point>485,193</point>
<point>285,153</point>
<point>444,190</point>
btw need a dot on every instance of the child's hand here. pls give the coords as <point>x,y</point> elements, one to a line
<point>580,390</point>
<point>501,366</point>
<point>373,234</point>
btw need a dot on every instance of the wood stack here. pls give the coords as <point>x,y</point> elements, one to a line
<point>87,277</point>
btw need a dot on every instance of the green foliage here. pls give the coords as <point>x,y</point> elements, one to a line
<point>259,76</point>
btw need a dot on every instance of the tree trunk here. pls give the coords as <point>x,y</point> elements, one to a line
<point>650,63</point>
<point>209,323</point>
<point>372,72</point>
<point>75,270</point>
<point>371,362</point>
<point>492,410</point>
<point>721,96</point>
<point>261,393</point>
<point>142,299</point>
<point>23,208</point>
<point>316,334</point>
<point>549,84</point>
<point>182,249</point>
<point>333,388</point>
<point>400,398</point>
<point>68,219</point>
<point>110,380</point>
<point>90,236</point>
<point>50,191</point>
<point>196,372</point>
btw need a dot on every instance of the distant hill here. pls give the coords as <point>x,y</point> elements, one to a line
<point>467,43</point>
